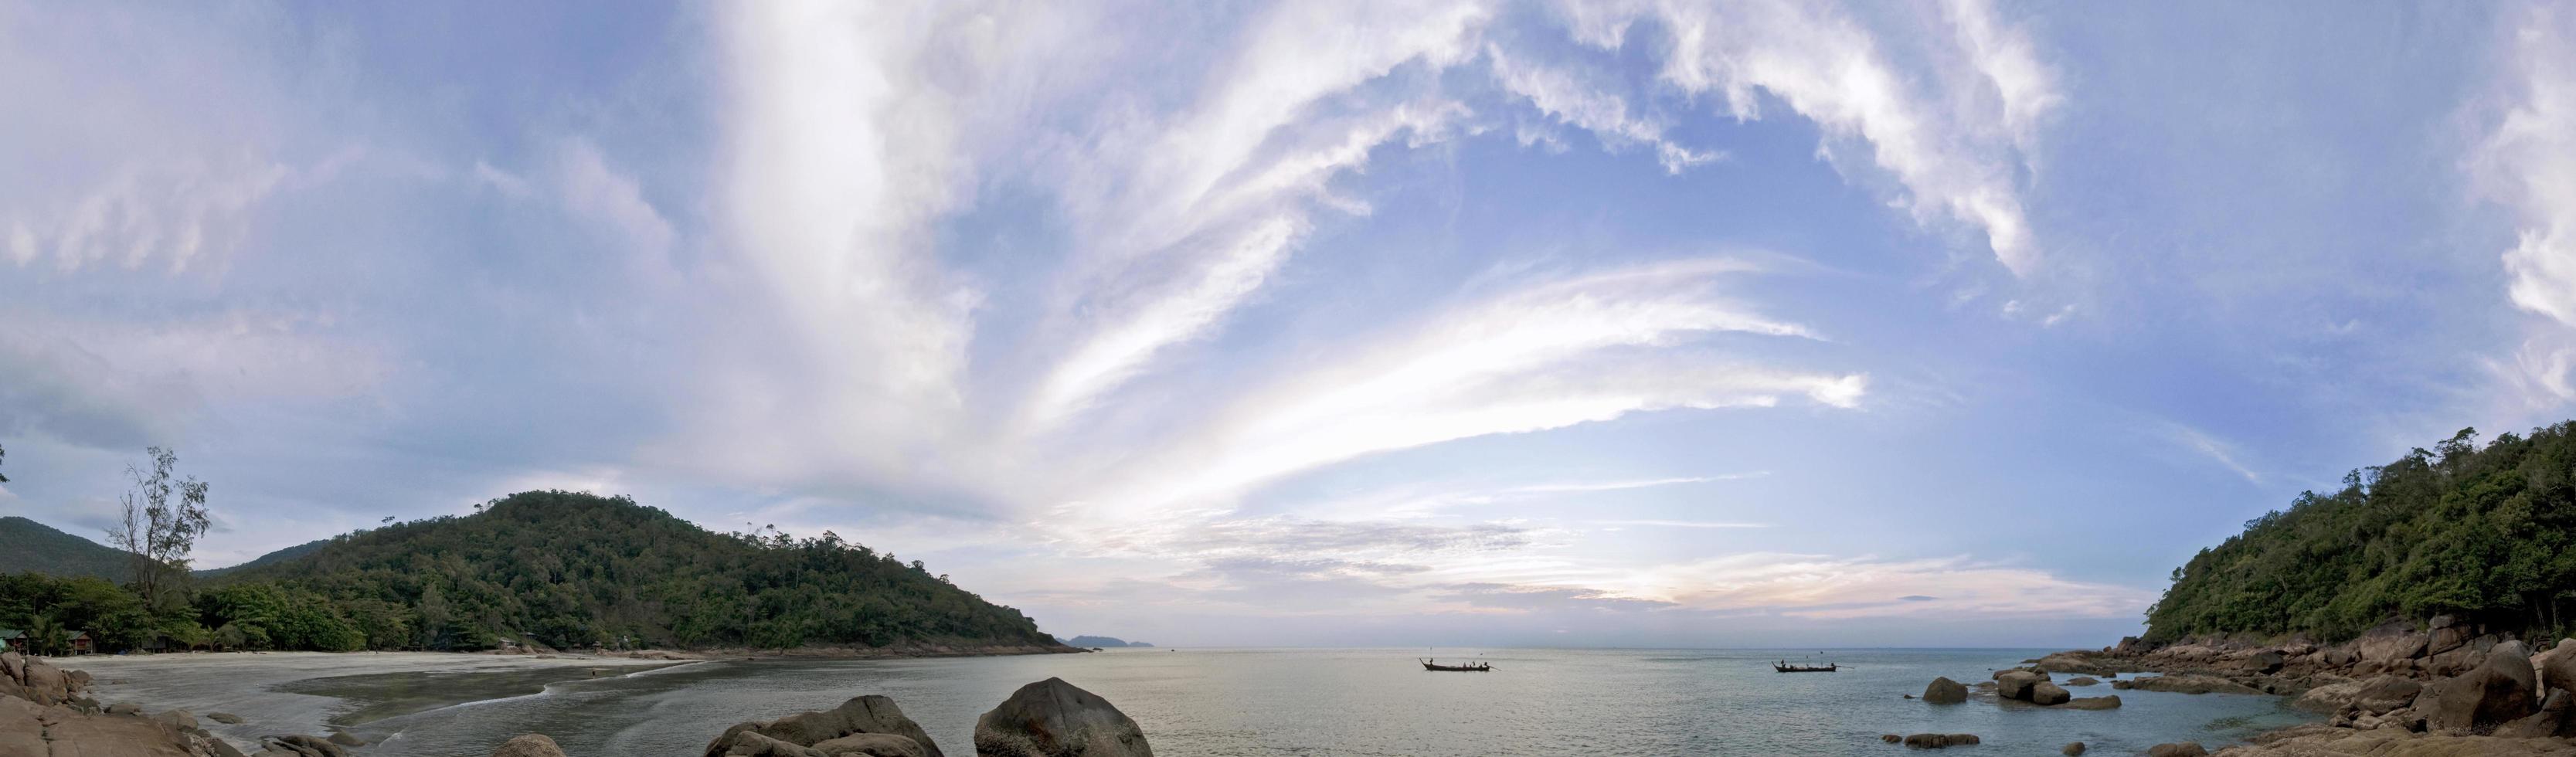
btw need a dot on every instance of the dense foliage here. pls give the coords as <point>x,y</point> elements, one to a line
<point>27,545</point>
<point>558,568</point>
<point>2482,533</point>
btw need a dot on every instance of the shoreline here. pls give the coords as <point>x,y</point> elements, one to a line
<point>2442,685</point>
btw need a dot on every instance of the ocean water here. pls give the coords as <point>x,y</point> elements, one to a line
<point>1298,702</point>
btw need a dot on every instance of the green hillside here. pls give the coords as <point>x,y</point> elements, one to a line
<point>271,558</point>
<point>26,545</point>
<point>571,569</point>
<point>2480,532</point>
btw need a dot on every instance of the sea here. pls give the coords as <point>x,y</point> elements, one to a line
<point>1274,702</point>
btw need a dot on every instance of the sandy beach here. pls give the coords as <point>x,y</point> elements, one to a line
<point>260,687</point>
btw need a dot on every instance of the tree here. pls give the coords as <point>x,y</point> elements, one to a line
<point>4,454</point>
<point>157,532</point>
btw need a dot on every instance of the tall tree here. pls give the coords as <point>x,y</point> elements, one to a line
<point>158,532</point>
<point>4,454</point>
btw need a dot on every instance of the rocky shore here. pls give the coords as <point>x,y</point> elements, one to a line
<point>45,711</point>
<point>2442,686</point>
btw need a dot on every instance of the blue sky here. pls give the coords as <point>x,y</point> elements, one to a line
<point>1631,323</point>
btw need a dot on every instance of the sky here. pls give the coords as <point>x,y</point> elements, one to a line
<point>1652,323</point>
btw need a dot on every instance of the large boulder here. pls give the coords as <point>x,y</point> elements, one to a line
<point>2178,749</point>
<point>2016,683</point>
<point>2500,691</point>
<point>870,745</point>
<point>2390,642</point>
<point>2385,694</point>
<point>2267,661</point>
<point>743,742</point>
<point>1945,691</point>
<point>1052,718</point>
<point>22,728</point>
<point>865,714</point>
<point>2557,667</point>
<point>2048,694</point>
<point>2555,718</point>
<point>530,745</point>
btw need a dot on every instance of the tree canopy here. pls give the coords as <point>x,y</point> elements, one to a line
<point>559,568</point>
<point>2479,532</point>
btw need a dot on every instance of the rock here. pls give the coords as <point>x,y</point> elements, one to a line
<point>865,714</point>
<point>2191,684</point>
<point>2446,639</point>
<point>22,728</point>
<point>2071,662</point>
<point>747,743</point>
<point>2124,685</point>
<point>306,746</point>
<point>2047,694</point>
<point>2553,719</point>
<point>1890,738</point>
<point>225,718</point>
<point>871,745</point>
<point>2500,691</point>
<point>1052,718</point>
<point>2557,667</point>
<point>1945,691</point>
<point>2329,698</point>
<point>2081,681</point>
<point>2268,661</point>
<point>2016,684</point>
<point>2385,694</point>
<point>2072,749</point>
<point>2390,642</point>
<point>44,683</point>
<point>345,738</point>
<point>530,745</point>
<point>125,708</point>
<point>179,719</point>
<point>2092,703</point>
<point>2178,749</point>
<point>2317,740</point>
<point>1940,740</point>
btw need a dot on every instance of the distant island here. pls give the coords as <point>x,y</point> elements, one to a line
<point>1104,642</point>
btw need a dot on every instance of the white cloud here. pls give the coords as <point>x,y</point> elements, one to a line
<point>1825,588</point>
<point>1955,153</point>
<point>1543,357</point>
<point>2526,162</point>
<point>1588,106</point>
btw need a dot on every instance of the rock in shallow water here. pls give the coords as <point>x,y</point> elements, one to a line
<point>2178,749</point>
<point>871,714</point>
<point>1945,691</point>
<point>531,745</point>
<point>1052,718</point>
<point>1940,740</point>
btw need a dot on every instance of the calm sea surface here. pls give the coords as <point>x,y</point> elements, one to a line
<point>1323,702</point>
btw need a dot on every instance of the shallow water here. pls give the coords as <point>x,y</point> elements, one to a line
<point>1314,702</point>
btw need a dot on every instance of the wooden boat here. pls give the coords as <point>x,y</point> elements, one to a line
<point>1473,667</point>
<point>1787,668</point>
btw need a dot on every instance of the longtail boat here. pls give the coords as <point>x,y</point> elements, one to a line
<point>1787,668</point>
<point>1473,667</point>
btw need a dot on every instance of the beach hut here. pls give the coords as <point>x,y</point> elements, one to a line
<point>13,640</point>
<point>81,643</point>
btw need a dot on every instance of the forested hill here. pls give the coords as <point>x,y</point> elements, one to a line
<point>570,569</point>
<point>2482,533</point>
<point>26,545</point>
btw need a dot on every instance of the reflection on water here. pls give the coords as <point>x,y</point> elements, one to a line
<point>1346,702</point>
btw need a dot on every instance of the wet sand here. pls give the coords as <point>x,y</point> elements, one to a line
<point>318,692</point>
